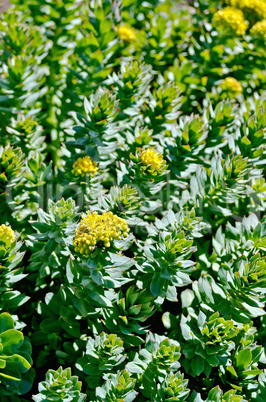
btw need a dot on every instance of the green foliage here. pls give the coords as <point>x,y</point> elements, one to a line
<point>11,162</point>
<point>102,354</point>
<point>54,234</point>
<point>173,388</point>
<point>60,385</point>
<point>123,202</point>
<point>128,313</point>
<point>167,264</point>
<point>25,133</point>
<point>206,343</point>
<point>15,358</point>
<point>217,395</point>
<point>116,388</point>
<point>132,200</point>
<point>156,368</point>
<point>10,274</point>
<point>96,132</point>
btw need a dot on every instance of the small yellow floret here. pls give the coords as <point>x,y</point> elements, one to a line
<point>231,20</point>
<point>84,167</point>
<point>153,159</point>
<point>7,235</point>
<point>97,229</point>
<point>259,30</point>
<point>250,6</point>
<point>230,84</point>
<point>126,33</point>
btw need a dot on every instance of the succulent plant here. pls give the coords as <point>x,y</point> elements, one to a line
<point>132,200</point>
<point>11,164</point>
<point>116,388</point>
<point>207,342</point>
<point>174,387</point>
<point>127,314</point>
<point>103,354</point>
<point>98,127</point>
<point>10,273</point>
<point>15,373</point>
<point>157,362</point>
<point>60,385</point>
<point>123,202</point>
<point>166,264</point>
<point>51,243</point>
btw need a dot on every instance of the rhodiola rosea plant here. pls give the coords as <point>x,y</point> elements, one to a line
<point>132,200</point>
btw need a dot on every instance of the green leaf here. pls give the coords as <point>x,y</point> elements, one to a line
<point>17,362</point>
<point>10,377</point>
<point>245,141</point>
<point>156,286</point>
<point>2,364</point>
<point>243,359</point>
<point>215,394</point>
<point>11,340</point>
<point>97,277</point>
<point>232,371</point>
<point>197,365</point>
<point>6,322</point>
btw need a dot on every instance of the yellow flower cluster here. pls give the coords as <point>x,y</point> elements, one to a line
<point>7,235</point>
<point>231,20</point>
<point>153,159</point>
<point>84,167</point>
<point>126,33</point>
<point>259,30</point>
<point>95,229</point>
<point>256,6</point>
<point>230,84</point>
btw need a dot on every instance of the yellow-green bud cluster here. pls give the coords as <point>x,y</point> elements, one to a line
<point>259,30</point>
<point>231,20</point>
<point>84,167</point>
<point>254,6</point>
<point>96,230</point>
<point>230,84</point>
<point>150,157</point>
<point>126,33</point>
<point>7,235</point>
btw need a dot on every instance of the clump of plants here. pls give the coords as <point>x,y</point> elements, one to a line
<point>132,200</point>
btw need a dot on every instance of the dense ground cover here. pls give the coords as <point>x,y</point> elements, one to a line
<point>132,201</point>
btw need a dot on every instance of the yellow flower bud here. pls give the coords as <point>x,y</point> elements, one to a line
<point>259,30</point>
<point>250,6</point>
<point>231,20</point>
<point>7,235</point>
<point>97,230</point>
<point>150,157</point>
<point>126,33</point>
<point>84,167</point>
<point>230,84</point>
